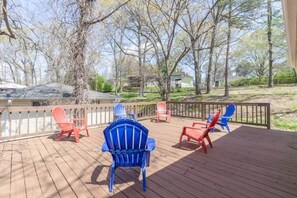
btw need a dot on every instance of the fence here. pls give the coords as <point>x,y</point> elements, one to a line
<point>246,113</point>
<point>15,121</point>
<point>22,121</point>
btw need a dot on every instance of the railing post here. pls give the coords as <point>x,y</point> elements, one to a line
<point>268,116</point>
<point>86,113</point>
<point>203,109</point>
<point>135,110</point>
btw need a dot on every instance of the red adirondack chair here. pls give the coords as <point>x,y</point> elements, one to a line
<point>198,134</point>
<point>162,112</point>
<point>68,125</point>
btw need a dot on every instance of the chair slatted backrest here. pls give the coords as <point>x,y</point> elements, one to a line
<point>161,107</point>
<point>126,140</point>
<point>213,122</point>
<point>230,110</point>
<point>61,119</point>
<point>120,111</point>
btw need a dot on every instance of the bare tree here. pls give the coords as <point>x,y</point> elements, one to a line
<point>85,19</point>
<point>269,34</point>
<point>162,31</point>
<point>4,19</point>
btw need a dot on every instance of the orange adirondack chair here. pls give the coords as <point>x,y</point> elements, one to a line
<point>68,125</point>
<point>162,112</point>
<point>198,134</point>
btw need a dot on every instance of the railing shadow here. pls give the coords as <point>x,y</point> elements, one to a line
<point>243,162</point>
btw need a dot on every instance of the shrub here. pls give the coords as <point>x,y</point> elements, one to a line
<point>279,78</point>
<point>97,83</point>
<point>107,87</point>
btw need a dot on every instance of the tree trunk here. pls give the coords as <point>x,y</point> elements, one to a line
<point>228,51</point>
<point>141,86</point>
<point>197,75</point>
<point>295,75</point>
<point>209,72</point>
<point>168,86</point>
<point>79,69</point>
<point>78,52</point>
<point>269,33</point>
<point>116,67</point>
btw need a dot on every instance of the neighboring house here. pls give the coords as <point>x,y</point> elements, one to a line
<point>178,79</point>
<point>6,85</point>
<point>49,94</point>
<point>181,79</point>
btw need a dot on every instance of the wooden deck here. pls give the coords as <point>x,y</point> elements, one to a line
<point>249,162</point>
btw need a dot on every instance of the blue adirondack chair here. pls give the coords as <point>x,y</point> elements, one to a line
<point>224,119</point>
<point>120,112</point>
<point>128,142</point>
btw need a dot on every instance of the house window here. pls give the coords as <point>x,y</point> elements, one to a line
<point>40,103</point>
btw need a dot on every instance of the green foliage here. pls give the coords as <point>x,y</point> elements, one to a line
<point>98,84</point>
<point>107,87</point>
<point>284,78</point>
<point>284,124</point>
<point>130,89</point>
<point>129,95</point>
<point>280,78</point>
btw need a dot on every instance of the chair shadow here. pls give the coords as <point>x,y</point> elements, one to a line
<point>65,137</point>
<point>160,121</point>
<point>187,145</point>
<point>129,174</point>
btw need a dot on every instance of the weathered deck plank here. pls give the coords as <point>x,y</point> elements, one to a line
<point>249,162</point>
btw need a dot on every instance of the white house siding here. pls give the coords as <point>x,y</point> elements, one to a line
<point>186,85</point>
<point>39,123</point>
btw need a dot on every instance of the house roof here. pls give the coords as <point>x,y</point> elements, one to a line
<point>51,91</point>
<point>10,85</point>
<point>180,74</point>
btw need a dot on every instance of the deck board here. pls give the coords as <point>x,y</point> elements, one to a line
<point>249,162</point>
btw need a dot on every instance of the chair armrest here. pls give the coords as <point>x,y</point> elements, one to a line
<point>199,123</point>
<point>225,118</point>
<point>104,147</point>
<point>132,115</point>
<point>80,119</point>
<point>150,144</point>
<point>168,112</point>
<point>194,128</point>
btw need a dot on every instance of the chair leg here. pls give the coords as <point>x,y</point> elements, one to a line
<point>60,136</point>
<point>202,143</point>
<point>87,132</point>
<point>180,139</point>
<point>213,129</point>
<point>209,141</point>
<point>76,133</point>
<point>69,134</point>
<point>111,180</point>
<point>148,156</point>
<point>143,178</point>
<point>228,128</point>
<point>168,119</point>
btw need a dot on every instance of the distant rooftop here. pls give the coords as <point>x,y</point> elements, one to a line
<point>51,91</point>
<point>10,85</point>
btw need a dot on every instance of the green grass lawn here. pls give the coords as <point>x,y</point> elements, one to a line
<point>283,101</point>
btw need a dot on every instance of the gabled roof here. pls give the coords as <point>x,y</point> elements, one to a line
<point>10,85</point>
<point>180,74</point>
<point>51,91</point>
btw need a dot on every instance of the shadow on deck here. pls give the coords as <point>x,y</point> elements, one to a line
<point>249,162</point>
